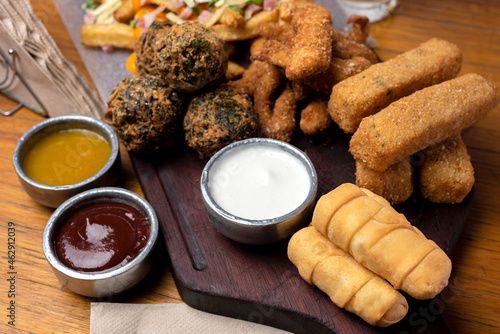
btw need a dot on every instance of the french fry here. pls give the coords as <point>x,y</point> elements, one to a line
<point>229,34</point>
<point>165,3</point>
<point>234,70</point>
<point>119,35</point>
<point>232,18</point>
<point>125,12</point>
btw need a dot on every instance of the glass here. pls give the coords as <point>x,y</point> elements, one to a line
<point>375,10</point>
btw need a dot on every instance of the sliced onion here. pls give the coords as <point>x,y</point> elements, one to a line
<point>204,16</point>
<point>107,48</point>
<point>89,18</point>
<point>186,13</point>
<point>250,10</point>
<point>236,2</point>
<point>140,23</point>
<point>172,17</point>
<point>269,4</point>
<point>215,17</point>
<point>177,4</point>
<point>150,17</point>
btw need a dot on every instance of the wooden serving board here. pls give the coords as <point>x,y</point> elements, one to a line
<point>259,283</point>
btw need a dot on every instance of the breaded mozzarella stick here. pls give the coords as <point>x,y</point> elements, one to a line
<point>447,175</point>
<point>395,184</point>
<point>373,89</point>
<point>422,119</point>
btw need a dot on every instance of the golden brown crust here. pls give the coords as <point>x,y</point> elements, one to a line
<point>373,89</point>
<point>378,237</point>
<point>447,174</point>
<point>338,70</point>
<point>118,35</point>
<point>249,30</point>
<point>125,12</point>
<point>395,184</point>
<point>312,46</point>
<point>276,117</point>
<point>422,119</point>
<point>348,284</point>
<point>314,118</point>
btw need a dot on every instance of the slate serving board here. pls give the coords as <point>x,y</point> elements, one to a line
<point>259,284</point>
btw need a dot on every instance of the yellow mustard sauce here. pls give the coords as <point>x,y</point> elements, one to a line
<point>66,157</point>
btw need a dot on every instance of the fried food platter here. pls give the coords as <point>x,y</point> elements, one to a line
<point>259,284</point>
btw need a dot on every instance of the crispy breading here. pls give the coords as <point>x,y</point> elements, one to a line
<point>246,84</point>
<point>344,47</point>
<point>249,30</point>
<point>281,32</point>
<point>287,9</point>
<point>270,78</point>
<point>276,119</point>
<point>275,53</point>
<point>370,91</point>
<point>314,118</point>
<point>395,184</point>
<point>339,70</point>
<point>301,91</point>
<point>257,45</point>
<point>421,119</point>
<point>312,45</point>
<point>279,54</point>
<point>360,28</point>
<point>447,174</point>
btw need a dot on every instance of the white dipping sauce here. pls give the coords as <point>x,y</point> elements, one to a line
<point>259,182</point>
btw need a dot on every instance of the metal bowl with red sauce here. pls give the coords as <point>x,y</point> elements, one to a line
<point>100,242</point>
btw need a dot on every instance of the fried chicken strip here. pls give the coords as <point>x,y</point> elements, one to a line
<point>275,53</point>
<point>279,54</point>
<point>246,84</point>
<point>287,9</point>
<point>281,32</point>
<point>314,118</point>
<point>339,70</point>
<point>277,120</point>
<point>344,47</point>
<point>312,45</point>
<point>360,28</point>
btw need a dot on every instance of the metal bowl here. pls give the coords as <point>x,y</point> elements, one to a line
<point>53,196</point>
<point>262,231</point>
<point>105,283</point>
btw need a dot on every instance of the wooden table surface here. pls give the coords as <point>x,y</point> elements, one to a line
<point>472,305</point>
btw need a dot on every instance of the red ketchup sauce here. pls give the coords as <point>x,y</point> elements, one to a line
<point>101,236</point>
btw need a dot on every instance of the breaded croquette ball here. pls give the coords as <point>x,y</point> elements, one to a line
<point>191,57</point>
<point>144,113</point>
<point>216,118</point>
<point>145,47</point>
